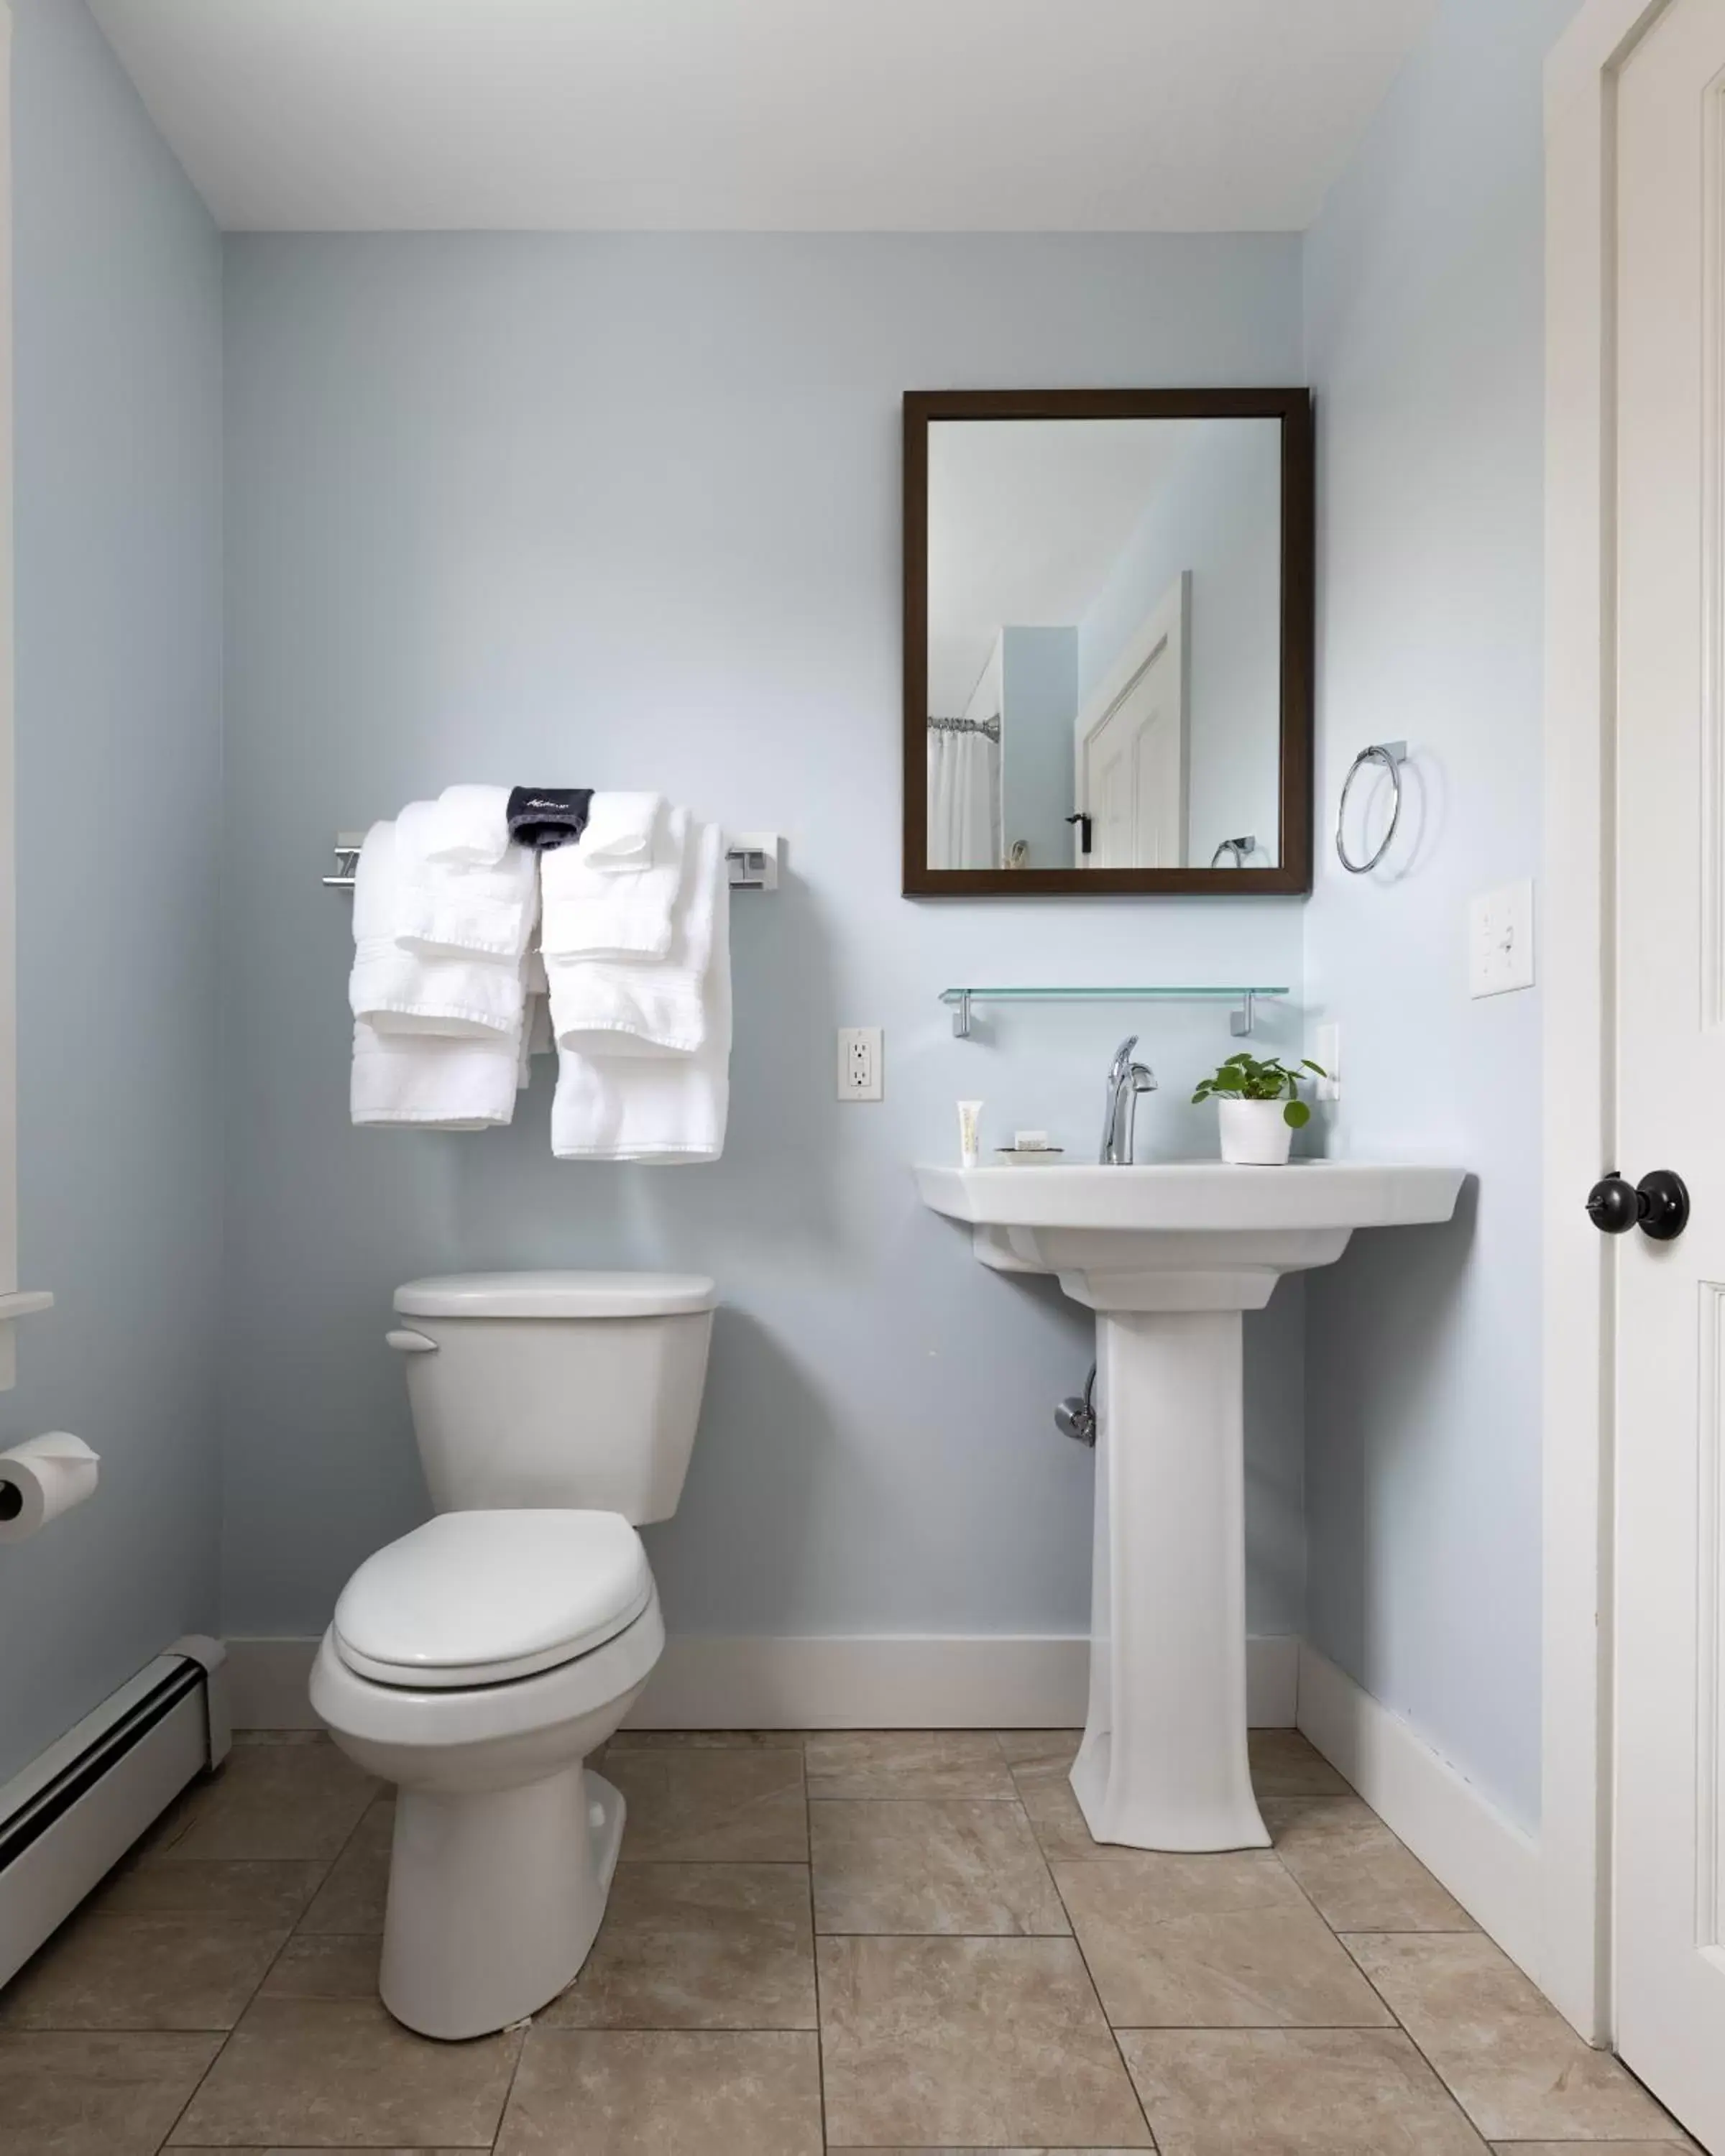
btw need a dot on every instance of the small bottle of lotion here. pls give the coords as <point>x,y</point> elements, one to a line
<point>970,1133</point>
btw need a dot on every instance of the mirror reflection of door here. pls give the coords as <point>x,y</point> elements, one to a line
<point>1104,641</point>
<point>1131,747</point>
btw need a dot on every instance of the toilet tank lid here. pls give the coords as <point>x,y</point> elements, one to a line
<point>556,1295</point>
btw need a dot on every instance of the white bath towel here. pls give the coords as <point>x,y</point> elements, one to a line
<point>537,1036</point>
<point>664,1111</point>
<point>398,990</point>
<point>424,1083</point>
<point>612,908</point>
<point>621,830</point>
<point>446,905</point>
<point>622,1007</point>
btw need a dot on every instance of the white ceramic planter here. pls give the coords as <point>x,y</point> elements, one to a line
<point>1253,1134</point>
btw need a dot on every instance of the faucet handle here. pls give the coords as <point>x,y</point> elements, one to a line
<point>1122,1059</point>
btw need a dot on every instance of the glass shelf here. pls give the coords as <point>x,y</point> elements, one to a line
<point>959,1001</point>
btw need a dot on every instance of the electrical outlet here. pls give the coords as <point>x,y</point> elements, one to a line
<point>860,1062</point>
<point>1500,940</point>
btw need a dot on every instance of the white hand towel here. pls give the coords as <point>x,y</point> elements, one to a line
<point>537,1036</point>
<point>444,905</point>
<point>620,829</point>
<point>611,908</point>
<point>470,826</point>
<point>428,1083</point>
<point>615,1007</point>
<point>398,990</point>
<point>664,1111</point>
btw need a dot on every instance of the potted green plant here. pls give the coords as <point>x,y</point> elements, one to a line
<point>1258,1106</point>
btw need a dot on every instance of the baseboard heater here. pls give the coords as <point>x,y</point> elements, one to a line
<point>73,1813</point>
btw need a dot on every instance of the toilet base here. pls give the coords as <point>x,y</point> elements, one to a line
<point>495,1897</point>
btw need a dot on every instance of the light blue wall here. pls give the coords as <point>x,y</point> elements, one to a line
<point>1424,339</point>
<point>1039,701</point>
<point>1219,516</point>
<point>118,502</point>
<point>624,510</point>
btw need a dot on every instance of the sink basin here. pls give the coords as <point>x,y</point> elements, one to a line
<point>1168,1256</point>
<point>1182,1235</point>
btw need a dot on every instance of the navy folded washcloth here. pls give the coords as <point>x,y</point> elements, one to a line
<point>542,817</point>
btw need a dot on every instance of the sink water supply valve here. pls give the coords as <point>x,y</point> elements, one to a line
<point>1075,1417</point>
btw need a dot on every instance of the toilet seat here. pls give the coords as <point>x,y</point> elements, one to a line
<point>491,1726</point>
<point>486,1598</point>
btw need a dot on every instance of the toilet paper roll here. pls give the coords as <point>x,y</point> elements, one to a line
<point>42,1478</point>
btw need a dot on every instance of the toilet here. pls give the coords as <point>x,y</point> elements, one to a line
<point>478,1661</point>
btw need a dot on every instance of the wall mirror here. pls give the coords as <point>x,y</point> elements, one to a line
<point>1108,627</point>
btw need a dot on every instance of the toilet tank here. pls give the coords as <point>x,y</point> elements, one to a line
<point>556,1388</point>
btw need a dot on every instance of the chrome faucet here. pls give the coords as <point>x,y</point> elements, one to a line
<point>1127,1080</point>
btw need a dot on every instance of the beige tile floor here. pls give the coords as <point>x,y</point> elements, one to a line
<point>897,1941</point>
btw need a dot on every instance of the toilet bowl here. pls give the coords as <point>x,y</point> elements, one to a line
<point>478,1662</point>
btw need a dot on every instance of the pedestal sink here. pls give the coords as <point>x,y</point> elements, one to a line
<point>1168,1256</point>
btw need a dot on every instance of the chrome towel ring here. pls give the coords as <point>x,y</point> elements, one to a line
<point>1240,848</point>
<point>1392,755</point>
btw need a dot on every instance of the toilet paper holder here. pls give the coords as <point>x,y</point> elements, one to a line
<point>42,1478</point>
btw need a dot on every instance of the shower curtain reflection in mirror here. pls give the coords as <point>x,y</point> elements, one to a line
<point>964,821</point>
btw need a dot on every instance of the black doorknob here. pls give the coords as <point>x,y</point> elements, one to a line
<point>1658,1205</point>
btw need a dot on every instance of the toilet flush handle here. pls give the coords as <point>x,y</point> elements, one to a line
<point>409,1343</point>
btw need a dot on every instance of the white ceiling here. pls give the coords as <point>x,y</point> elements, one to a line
<point>977,116</point>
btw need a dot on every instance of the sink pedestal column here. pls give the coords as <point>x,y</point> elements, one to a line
<point>1168,1256</point>
<point>1163,1761</point>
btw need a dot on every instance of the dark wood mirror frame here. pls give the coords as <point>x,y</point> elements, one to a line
<point>1292,874</point>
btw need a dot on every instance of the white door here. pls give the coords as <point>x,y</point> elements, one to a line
<point>1132,747</point>
<point>1669,1810</point>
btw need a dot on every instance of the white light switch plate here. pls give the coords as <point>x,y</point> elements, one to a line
<point>1500,940</point>
<point>861,1063</point>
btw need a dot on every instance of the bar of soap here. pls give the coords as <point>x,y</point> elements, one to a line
<point>1031,1156</point>
<point>1030,1141</point>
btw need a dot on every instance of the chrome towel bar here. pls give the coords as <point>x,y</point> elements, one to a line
<point>752,857</point>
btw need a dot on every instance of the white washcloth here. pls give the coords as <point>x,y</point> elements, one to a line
<point>612,908</point>
<point>397,990</point>
<point>621,830</point>
<point>470,826</point>
<point>423,1083</point>
<point>663,1111</point>
<point>446,905</point>
<point>617,1007</point>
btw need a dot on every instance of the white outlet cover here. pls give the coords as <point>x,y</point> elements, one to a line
<point>1500,940</point>
<point>861,1058</point>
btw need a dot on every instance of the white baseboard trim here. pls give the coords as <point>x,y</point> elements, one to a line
<point>910,1682</point>
<point>1487,1863</point>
